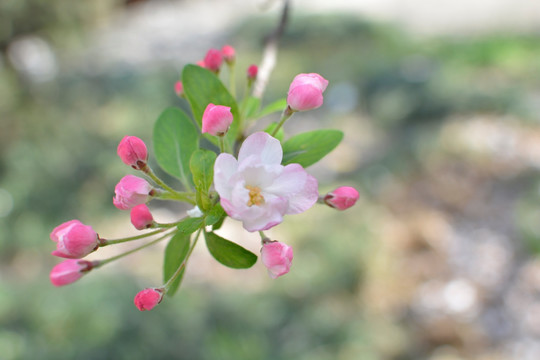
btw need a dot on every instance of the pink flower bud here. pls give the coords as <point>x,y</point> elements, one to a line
<point>252,72</point>
<point>131,191</point>
<point>305,92</point>
<point>342,198</point>
<point>213,60</point>
<point>216,119</point>
<point>148,298</point>
<point>141,217</point>
<point>132,151</point>
<point>74,240</point>
<point>228,54</point>
<point>69,271</point>
<point>179,88</point>
<point>277,258</point>
<point>201,63</point>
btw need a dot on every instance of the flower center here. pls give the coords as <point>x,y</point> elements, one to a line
<point>255,196</point>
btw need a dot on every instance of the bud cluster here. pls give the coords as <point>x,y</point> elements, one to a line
<point>253,178</point>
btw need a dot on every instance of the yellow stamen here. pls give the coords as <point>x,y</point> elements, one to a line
<point>255,196</point>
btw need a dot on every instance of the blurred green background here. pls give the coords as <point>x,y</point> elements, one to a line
<point>436,261</point>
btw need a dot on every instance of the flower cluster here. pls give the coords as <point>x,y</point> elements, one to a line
<point>254,178</point>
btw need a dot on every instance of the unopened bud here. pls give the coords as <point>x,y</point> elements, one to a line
<point>130,192</point>
<point>74,240</point>
<point>277,257</point>
<point>229,55</point>
<point>342,198</point>
<point>213,60</point>
<point>141,217</point>
<point>179,88</point>
<point>305,92</point>
<point>252,71</point>
<point>147,299</point>
<point>69,271</point>
<point>216,119</point>
<point>133,152</point>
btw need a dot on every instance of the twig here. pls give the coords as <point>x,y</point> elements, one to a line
<point>270,53</point>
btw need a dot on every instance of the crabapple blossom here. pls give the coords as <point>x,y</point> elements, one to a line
<point>341,198</point>
<point>179,88</point>
<point>74,240</point>
<point>228,54</point>
<point>305,92</point>
<point>132,151</point>
<point>69,271</point>
<point>216,119</point>
<point>213,60</point>
<point>147,299</point>
<point>256,189</point>
<point>277,258</point>
<point>252,71</point>
<point>131,191</point>
<point>141,217</point>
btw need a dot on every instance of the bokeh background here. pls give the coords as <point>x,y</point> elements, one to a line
<point>440,106</point>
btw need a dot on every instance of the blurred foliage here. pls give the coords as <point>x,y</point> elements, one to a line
<point>57,146</point>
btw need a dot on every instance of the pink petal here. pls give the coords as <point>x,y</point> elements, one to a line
<point>262,145</point>
<point>306,198</point>
<point>264,217</point>
<point>305,97</point>
<point>224,168</point>
<point>300,188</point>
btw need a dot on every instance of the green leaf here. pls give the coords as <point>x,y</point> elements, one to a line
<point>175,139</point>
<point>215,215</point>
<point>229,253</point>
<point>309,147</point>
<point>175,253</point>
<point>203,87</point>
<point>251,106</point>
<point>276,106</point>
<point>280,134</point>
<point>202,170</point>
<point>190,225</point>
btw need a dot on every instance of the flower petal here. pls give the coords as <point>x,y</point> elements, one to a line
<point>258,218</point>
<point>224,168</point>
<point>264,146</point>
<point>306,198</point>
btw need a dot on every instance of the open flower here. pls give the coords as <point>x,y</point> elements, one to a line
<point>256,189</point>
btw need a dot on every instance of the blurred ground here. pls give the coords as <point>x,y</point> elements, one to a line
<point>438,261</point>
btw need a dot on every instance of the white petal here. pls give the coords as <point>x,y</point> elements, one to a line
<point>224,168</point>
<point>264,217</point>
<point>306,198</point>
<point>261,176</point>
<point>291,181</point>
<point>262,145</point>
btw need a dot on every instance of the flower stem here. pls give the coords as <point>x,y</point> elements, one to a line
<point>105,242</point>
<point>221,143</point>
<point>148,171</point>
<point>100,263</point>
<point>182,266</point>
<point>178,196</point>
<point>287,113</point>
